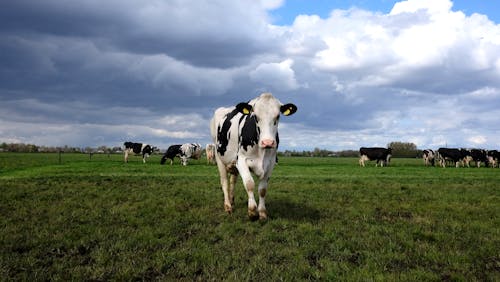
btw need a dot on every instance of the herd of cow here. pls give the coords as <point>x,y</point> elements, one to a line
<point>183,151</point>
<point>246,140</point>
<point>443,156</point>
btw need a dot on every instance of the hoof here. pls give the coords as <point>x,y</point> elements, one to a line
<point>228,209</point>
<point>263,215</point>
<point>253,214</point>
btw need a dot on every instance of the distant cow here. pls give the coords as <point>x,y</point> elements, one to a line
<point>451,154</point>
<point>429,157</point>
<point>246,139</point>
<point>493,157</point>
<point>172,152</point>
<point>184,152</point>
<point>380,155</point>
<point>190,151</point>
<point>478,156</point>
<point>210,151</point>
<point>137,148</point>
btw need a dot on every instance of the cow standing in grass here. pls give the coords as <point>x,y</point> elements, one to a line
<point>137,148</point>
<point>380,155</point>
<point>246,139</point>
<point>210,151</point>
<point>429,157</point>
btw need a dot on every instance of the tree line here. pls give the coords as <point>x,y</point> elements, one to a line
<point>399,150</point>
<point>31,148</point>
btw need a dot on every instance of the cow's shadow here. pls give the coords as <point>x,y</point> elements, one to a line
<point>288,209</point>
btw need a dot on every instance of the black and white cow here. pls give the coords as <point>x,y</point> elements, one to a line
<point>172,152</point>
<point>246,139</point>
<point>138,149</point>
<point>451,154</point>
<point>493,157</point>
<point>429,157</point>
<point>184,152</point>
<point>382,155</point>
<point>478,156</point>
<point>190,151</point>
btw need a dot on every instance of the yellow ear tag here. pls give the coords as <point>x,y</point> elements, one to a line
<point>287,112</point>
<point>246,111</point>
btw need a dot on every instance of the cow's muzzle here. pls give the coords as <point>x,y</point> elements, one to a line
<point>268,144</point>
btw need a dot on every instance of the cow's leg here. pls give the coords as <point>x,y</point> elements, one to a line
<point>262,198</point>
<point>224,184</point>
<point>232,182</point>
<point>249,184</point>
<point>125,156</point>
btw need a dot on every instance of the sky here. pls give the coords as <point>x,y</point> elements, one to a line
<point>362,73</point>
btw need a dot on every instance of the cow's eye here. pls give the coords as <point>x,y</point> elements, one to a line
<point>276,120</point>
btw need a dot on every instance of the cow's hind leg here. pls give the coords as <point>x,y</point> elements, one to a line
<point>232,182</point>
<point>225,186</point>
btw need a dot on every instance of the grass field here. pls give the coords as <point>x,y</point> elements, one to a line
<point>329,219</point>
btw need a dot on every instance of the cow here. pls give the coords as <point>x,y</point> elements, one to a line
<point>210,151</point>
<point>429,157</point>
<point>137,148</point>
<point>451,154</point>
<point>246,140</point>
<point>382,155</point>
<point>190,151</point>
<point>478,156</point>
<point>184,152</point>
<point>172,152</point>
<point>493,157</point>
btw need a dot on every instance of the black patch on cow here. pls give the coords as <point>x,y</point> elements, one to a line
<point>136,147</point>
<point>249,135</point>
<point>222,132</point>
<point>147,150</point>
<point>171,153</point>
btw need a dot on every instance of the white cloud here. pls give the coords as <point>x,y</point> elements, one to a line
<point>276,75</point>
<point>154,72</point>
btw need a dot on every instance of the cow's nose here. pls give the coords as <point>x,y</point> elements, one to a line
<point>267,143</point>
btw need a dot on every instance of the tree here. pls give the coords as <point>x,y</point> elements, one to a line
<point>403,149</point>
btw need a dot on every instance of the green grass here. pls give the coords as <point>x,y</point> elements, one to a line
<point>329,219</point>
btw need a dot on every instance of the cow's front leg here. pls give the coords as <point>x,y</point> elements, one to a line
<point>262,199</point>
<point>249,184</point>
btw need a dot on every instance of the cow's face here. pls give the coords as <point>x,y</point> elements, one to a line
<point>266,110</point>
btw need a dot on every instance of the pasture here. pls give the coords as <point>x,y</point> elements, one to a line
<point>100,219</point>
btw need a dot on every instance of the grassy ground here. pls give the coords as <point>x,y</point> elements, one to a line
<point>100,219</point>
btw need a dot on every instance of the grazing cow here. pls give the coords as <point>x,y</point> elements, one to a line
<point>451,154</point>
<point>184,152</point>
<point>190,151</point>
<point>382,155</point>
<point>246,139</point>
<point>210,151</point>
<point>478,156</point>
<point>428,156</point>
<point>493,157</point>
<point>138,149</point>
<point>171,153</point>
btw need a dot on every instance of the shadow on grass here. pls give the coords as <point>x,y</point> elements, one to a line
<point>288,209</point>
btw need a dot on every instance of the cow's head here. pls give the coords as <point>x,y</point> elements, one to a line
<point>266,110</point>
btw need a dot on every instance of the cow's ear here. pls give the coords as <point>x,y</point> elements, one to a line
<point>288,109</point>
<point>244,108</point>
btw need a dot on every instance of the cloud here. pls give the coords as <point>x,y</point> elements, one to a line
<point>154,71</point>
<point>276,75</point>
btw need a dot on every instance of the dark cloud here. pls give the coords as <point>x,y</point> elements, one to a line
<point>98,72</point>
